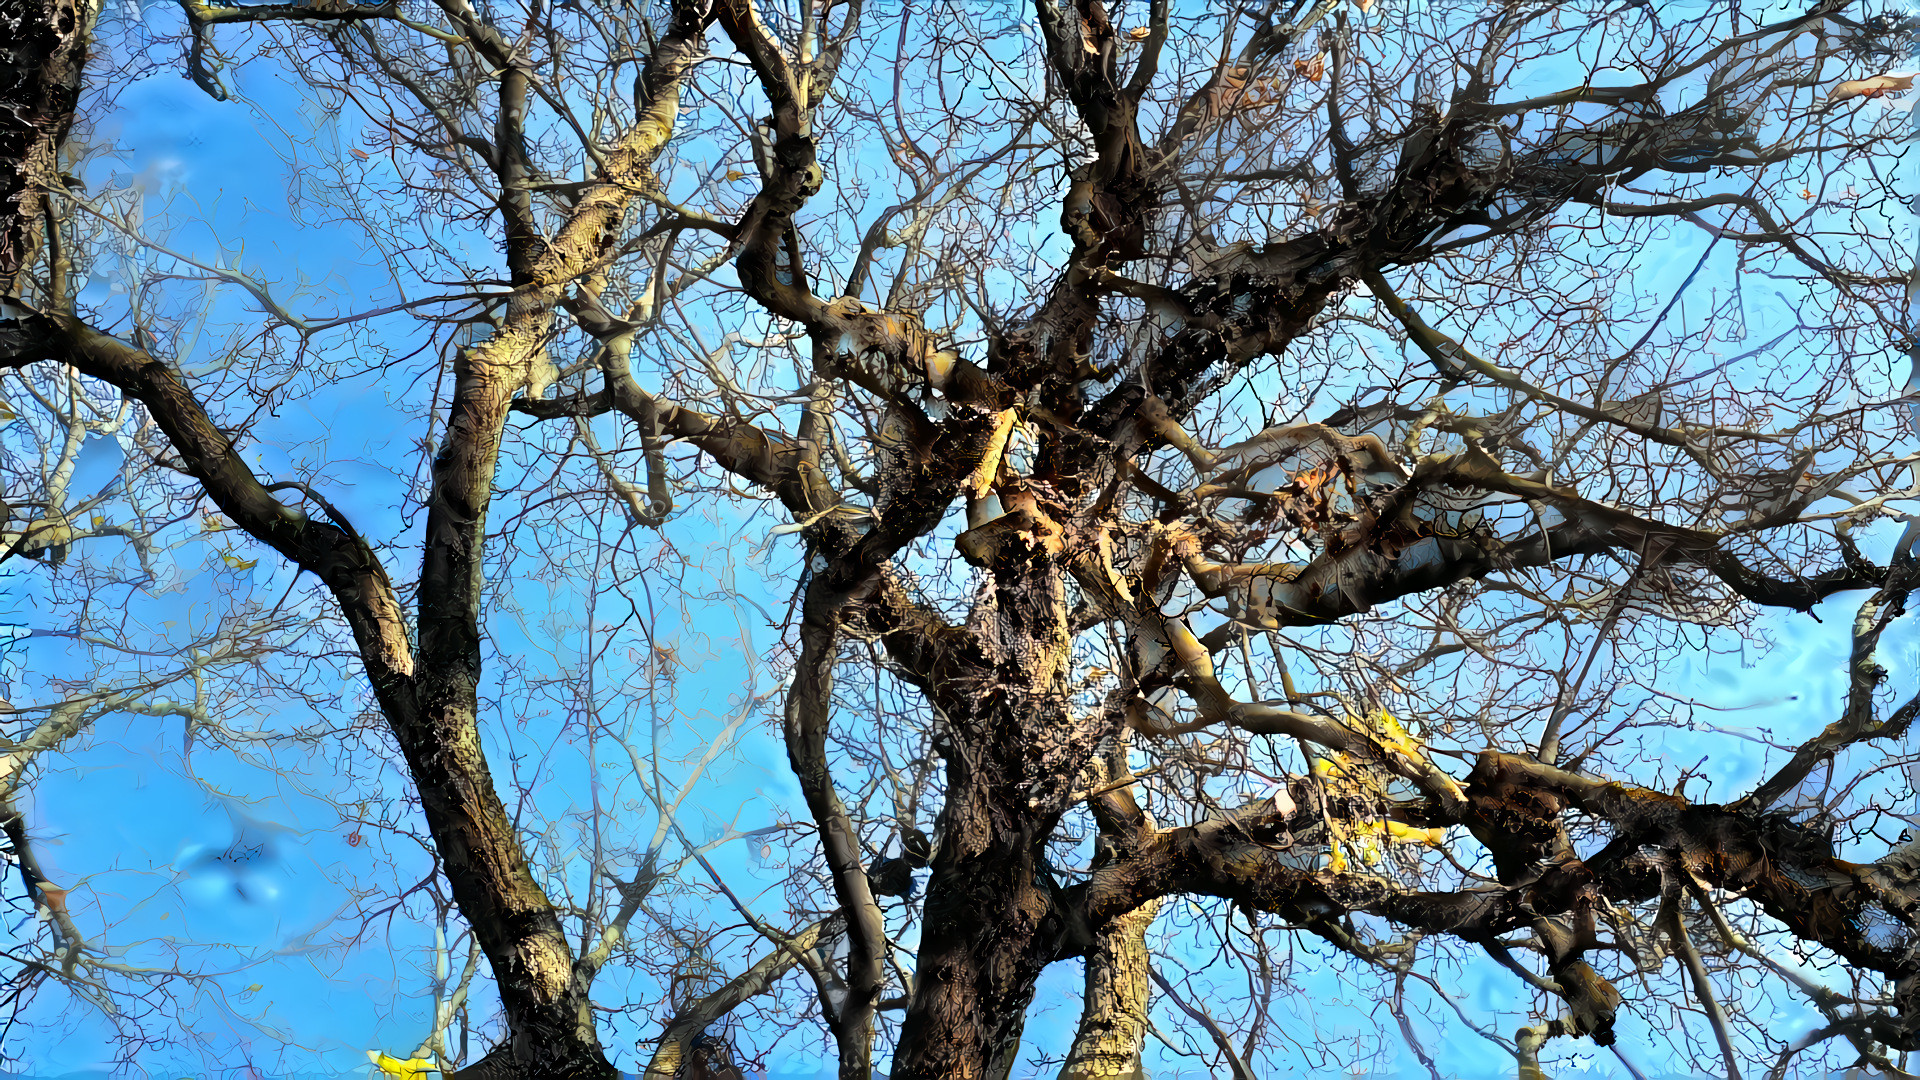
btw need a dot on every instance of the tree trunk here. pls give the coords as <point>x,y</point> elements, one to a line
<point>809,708</point>
<point>44,50</point>
<point>979,957</point>
<point>1014,751</point>
<point>551,1028</point>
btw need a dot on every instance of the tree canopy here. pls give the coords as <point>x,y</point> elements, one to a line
<point>1232,500</point>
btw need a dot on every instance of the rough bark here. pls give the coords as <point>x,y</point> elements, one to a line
<point>1113,1011</point>
<point>1012,750</point>
<point>1014,740</point>
<point>43,51</point>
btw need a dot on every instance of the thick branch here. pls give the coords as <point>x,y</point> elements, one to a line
<point>337,556</point>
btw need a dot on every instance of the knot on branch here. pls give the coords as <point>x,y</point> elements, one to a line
<point>1518,821</point>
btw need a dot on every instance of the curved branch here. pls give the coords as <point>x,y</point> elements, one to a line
<point>670,1055</point>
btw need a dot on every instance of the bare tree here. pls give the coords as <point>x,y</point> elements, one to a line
<point>1309,524</point>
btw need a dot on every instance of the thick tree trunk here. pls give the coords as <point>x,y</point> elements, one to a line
<point>1014,750</point>
<point>43,47</point>
<point>983,947</point>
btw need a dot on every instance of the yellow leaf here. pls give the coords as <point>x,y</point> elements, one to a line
<point>99,522</point>
<point>1139,33</point>
<point>1391,735</point>
<point>6,412</point>
<point>238,563</point>
<point>1313,67</point>
<point>1878,86</point>
<point>735,174</point>
<point>392,1066</point>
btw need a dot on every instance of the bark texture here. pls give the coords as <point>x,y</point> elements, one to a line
<point>43,53</point>
<point>1114,553</point>
<point>1113,1011</point>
